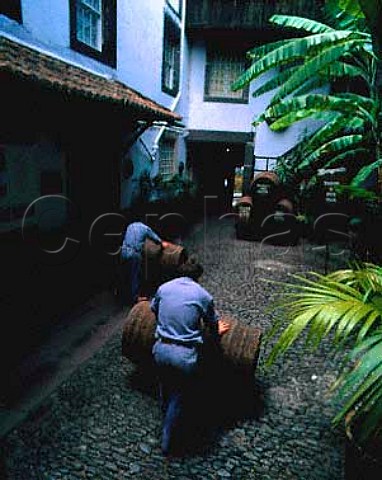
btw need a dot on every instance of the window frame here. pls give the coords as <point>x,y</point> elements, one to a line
<point>177,12</point>
<point>211,50</point>
<point>171,34</point>
<point>167,142</point>
<point>108,52</point>
<point>13,10</point>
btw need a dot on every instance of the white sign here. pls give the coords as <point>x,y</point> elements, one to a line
<point>330,171</point>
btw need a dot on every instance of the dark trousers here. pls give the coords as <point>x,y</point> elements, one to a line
<point>130,279</point>
<point>177,374</point>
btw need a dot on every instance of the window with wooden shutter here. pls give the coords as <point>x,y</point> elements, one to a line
<point>11,9</point>
<point>223,67</point>
<point>171,56</point>
<point>93,29</point>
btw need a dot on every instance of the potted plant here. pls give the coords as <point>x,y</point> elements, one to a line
<point>348,304</point>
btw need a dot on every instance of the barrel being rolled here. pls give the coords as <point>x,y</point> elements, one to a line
<point>161,264</point>
<point>168,257</point>
<point>238,348</point>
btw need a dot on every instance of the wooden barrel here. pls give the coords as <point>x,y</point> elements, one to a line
<point>244,211</point>
<point>171,256</point>
<point>152,250</point>
<point>245,200</point>
<point>266,176</point>
<point>285,206</point>
<point>239,348</point>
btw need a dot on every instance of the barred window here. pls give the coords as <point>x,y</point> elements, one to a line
<point>93,29</point>
<point>171,56</point>
<point>167,159</point>
<point>222,69</point>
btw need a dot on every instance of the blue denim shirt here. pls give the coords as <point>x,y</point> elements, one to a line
<point>135,236</point>
<point>179,306</point>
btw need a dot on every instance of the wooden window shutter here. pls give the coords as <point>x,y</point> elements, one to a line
<point>109,31</point>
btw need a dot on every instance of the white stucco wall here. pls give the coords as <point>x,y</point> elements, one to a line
<point>47,20</point>
<point>237,117</point>
<point>46,27</point>
<point>203,115</point>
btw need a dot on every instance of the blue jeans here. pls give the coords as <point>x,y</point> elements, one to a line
<point>132,267</point>
<point>177,366</point>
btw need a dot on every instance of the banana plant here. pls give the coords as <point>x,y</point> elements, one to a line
<point>346,307</point>
<point>347,50</point>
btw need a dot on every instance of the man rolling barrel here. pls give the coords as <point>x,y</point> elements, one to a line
<point>180,305</point>
<point>131,252</point>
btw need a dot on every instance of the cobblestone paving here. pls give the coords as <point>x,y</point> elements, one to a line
<point>101,424</point>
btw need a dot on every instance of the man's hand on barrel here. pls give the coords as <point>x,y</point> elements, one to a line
<point>223,327</point>
<point>165,244</point>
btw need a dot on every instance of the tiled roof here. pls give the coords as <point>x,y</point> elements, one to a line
<point>29,64</point>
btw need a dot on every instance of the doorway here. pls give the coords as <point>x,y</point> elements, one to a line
<point>214,167</point>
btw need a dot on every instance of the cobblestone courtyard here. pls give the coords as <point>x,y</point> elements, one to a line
<point>101,424</point>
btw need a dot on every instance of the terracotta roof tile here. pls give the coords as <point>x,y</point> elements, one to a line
<point>32,65</point>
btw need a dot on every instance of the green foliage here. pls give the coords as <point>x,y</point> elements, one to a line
<point>348,304</point>
<point>342,49</point>
<point>355,193</point>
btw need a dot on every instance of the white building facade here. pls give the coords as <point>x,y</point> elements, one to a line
<point>152,47</point>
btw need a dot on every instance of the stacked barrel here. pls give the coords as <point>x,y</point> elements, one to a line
<point>266,212</point>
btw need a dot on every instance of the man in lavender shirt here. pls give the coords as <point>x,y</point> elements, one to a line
<point>180,305</point>
<point>131,252</point>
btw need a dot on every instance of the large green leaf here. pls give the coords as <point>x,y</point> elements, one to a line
<point>338,124</point>
<point>332,147</point>
<point>313,66</point>
<point>362,387</point>
<point>351,7</point>
<point>367,106</point>
<point>259,52</point>
<point>346,13</point>
<point>288,53</point>
<point>365,172</point>
<point>345,157</point>
<point>356,106</point>
<point>342,69</point>
<point>300,23</point>
<point>295,116</point>
<point>274,82</point>
<point>322,304</point>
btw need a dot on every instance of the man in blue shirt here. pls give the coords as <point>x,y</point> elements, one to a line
<point>131,252</point>
<point>180,305</point>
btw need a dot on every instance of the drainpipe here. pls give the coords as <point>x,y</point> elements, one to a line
<point>155,147</point>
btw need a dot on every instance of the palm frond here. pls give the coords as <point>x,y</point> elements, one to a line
<point>338,124</point>
<point>342,69</point>
<point>362,387</point>
<point>323,304</point>
<point>288,53</point>
<point>259,51</point>
<point>300,23</point>
<point>346,157</point>
<point>332,147</point>
<point>313,102</point>
<point>313,66</point>
<point>365,172</point>
<point>274,82</point>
